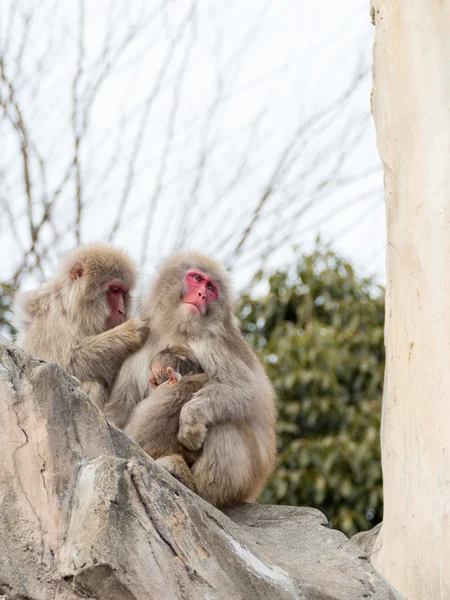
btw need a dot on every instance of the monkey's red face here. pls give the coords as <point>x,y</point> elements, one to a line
<point>116,292</point>
<point>201,290</point>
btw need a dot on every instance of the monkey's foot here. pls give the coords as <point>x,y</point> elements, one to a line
<point>176,465</point>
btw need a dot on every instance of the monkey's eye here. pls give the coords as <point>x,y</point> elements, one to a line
<point>197,277</point>
<point>210,287</point>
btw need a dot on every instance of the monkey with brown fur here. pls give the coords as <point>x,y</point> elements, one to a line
<point>78,318</point>
<point>232,417</point>
<point>173,363</point>
<point>176,375</point>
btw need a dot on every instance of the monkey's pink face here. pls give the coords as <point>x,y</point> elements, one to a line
<point>200,291</point>
<point>116,292</point>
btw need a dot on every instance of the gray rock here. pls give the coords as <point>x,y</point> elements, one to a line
<point>366,539</point>
<point>84,513</point>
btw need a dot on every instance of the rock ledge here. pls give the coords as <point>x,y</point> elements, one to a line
<point>84,513</point>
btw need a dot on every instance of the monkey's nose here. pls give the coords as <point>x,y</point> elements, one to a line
<point>202,295</point>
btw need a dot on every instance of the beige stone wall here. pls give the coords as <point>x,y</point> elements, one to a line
<point>411,107</point>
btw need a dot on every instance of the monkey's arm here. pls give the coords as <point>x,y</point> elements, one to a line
<point>130,387</point>
<point>99,357</point>
<point>231,396</point>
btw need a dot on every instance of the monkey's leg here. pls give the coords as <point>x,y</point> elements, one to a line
<point>224,472</point>
<point>176,465</point>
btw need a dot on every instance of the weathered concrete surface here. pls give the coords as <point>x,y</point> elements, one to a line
<point>411,108</point>
<point>84,513</point>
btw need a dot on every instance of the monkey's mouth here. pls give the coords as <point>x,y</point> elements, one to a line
<point>195,309</point>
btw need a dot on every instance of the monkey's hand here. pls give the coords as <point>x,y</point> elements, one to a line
<point>193,428</point>
<point>100,356</point>
<point>158,373</point>
<point>136,332</point>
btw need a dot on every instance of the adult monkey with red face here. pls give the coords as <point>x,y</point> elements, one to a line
<point>232,418</point>
<point>78,318</point>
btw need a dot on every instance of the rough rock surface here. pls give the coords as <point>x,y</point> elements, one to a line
<point>366,540</point>
<point>84,513</point>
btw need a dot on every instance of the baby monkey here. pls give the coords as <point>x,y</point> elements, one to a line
<point>176,375</point>
<point>173,363</point>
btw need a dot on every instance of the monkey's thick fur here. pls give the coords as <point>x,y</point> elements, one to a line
<point>155,422</point>
<point>178,358</point>
<point>64,321</point>
<point>231,418</point>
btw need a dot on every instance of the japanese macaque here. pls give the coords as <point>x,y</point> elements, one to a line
<point>173,363</point>
<point>78,318</point>
<point>232,417</point>
<point>176,375</point>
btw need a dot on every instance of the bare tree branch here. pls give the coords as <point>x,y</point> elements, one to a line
<point>75,121</point>
<point>169,137</point>
<point>286,158</point>
<point>144,121</point>
<point>137,123</point>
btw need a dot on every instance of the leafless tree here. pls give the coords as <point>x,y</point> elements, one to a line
<point>140,123</point>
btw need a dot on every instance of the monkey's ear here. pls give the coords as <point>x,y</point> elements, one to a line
<point>77,271</point>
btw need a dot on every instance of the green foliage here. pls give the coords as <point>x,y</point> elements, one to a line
<point>319,332</point>
<point>6,293</point>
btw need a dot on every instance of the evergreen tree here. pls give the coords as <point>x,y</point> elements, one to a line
<point>319,332</point>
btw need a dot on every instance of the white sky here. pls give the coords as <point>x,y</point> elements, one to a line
<point>243,78</point>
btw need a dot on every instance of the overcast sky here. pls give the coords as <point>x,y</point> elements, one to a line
<point>244,77</point>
